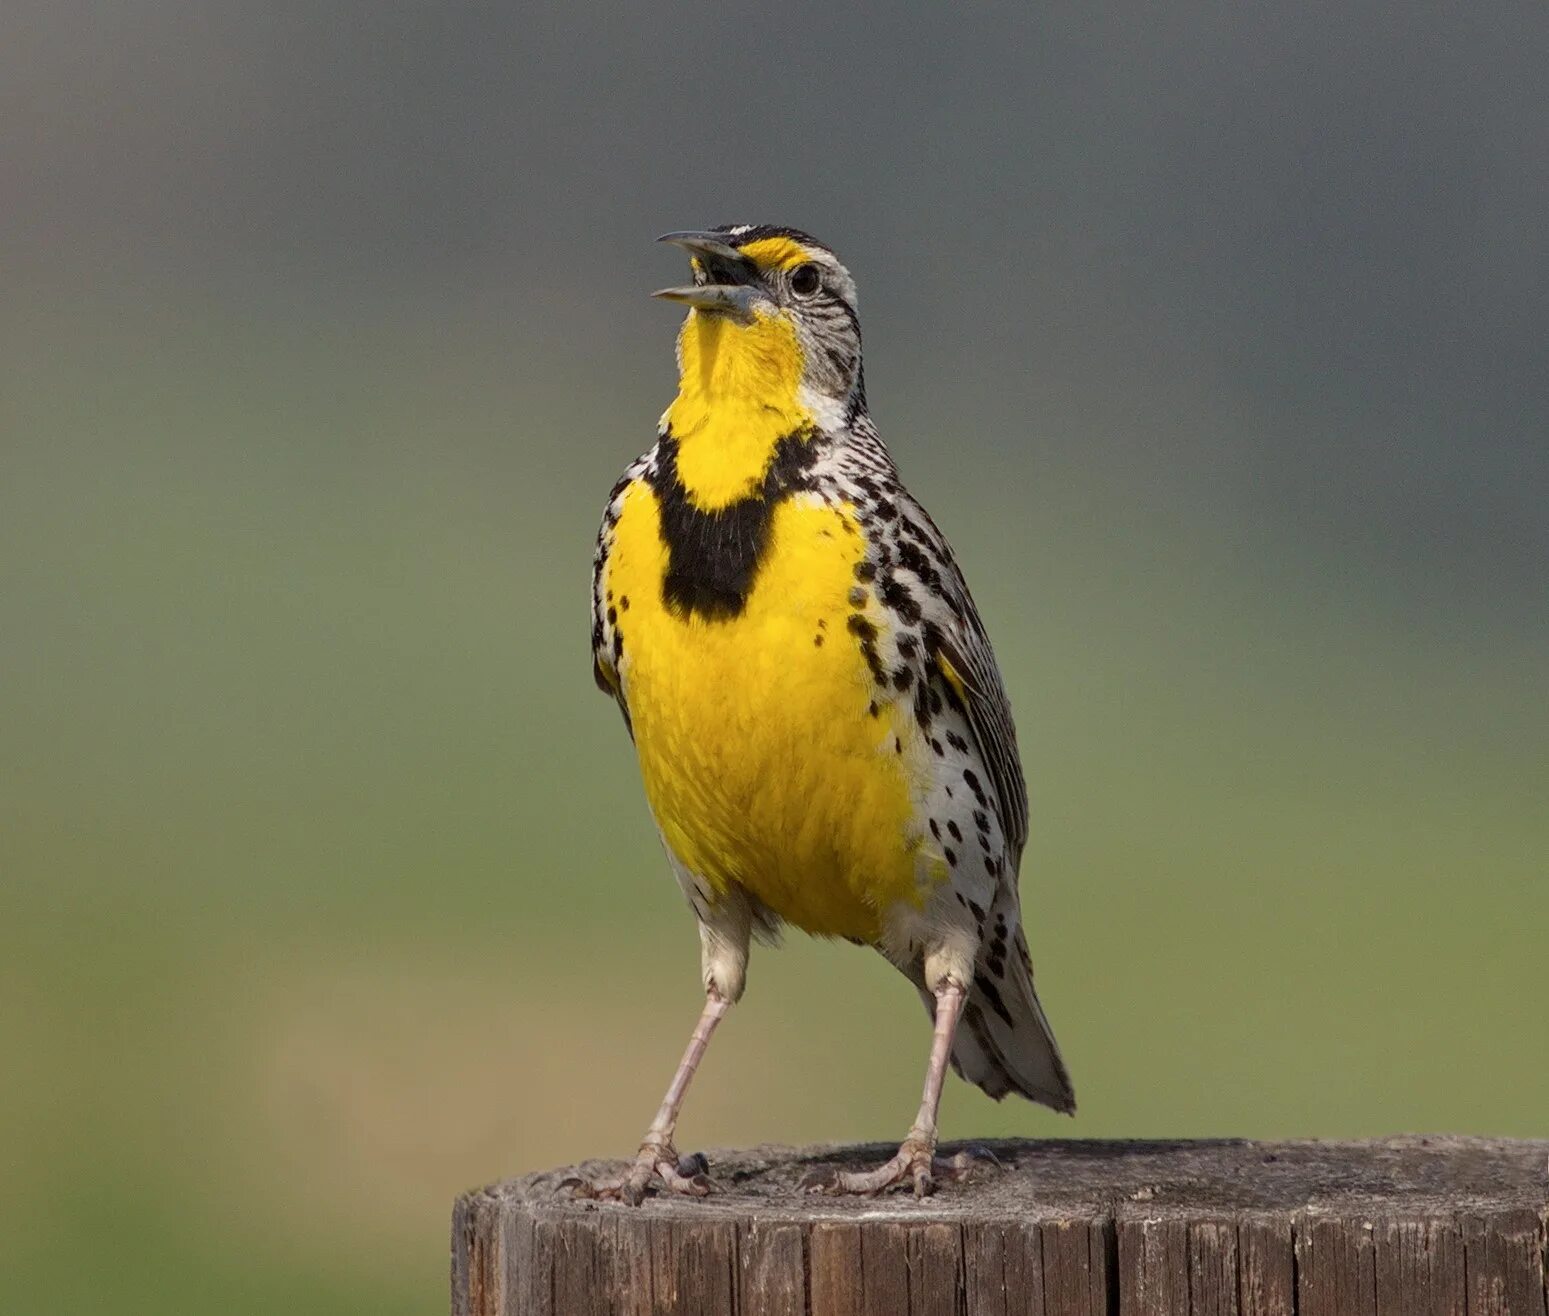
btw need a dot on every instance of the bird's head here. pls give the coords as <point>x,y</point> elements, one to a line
<point>770,302</point>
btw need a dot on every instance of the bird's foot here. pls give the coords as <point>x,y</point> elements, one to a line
<point>657,1163</point>
<point>915,1164</point>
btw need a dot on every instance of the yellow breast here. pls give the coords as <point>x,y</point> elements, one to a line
<point>765,759</point>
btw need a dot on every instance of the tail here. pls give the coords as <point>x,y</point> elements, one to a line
<point>1004,1041</point>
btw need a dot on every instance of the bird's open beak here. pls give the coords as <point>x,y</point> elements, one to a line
<point>731,286</point>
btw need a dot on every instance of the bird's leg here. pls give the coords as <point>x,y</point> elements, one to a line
<point>725,927</point>
<point>657,1156</point>
<point>916,1155</point>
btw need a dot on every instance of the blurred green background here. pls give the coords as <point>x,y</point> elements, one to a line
<point>1214,339</point>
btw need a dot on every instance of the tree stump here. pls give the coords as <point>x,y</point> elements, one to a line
<point>1437,1226</point>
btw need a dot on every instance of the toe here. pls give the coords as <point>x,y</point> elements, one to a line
<point>867,1183</point>
<point>819,1180</point>
<point>697,1184</point>
<point>961,1165</point>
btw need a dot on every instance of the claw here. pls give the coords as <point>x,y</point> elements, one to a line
<point>654,1164</point>
<point>818,1180</point>
<point>691,1185</point>
<point>961,1166</point>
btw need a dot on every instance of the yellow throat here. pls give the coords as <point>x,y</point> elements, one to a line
<point>738,396</point>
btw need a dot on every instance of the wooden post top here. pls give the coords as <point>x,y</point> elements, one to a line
<point>1410,1226</point>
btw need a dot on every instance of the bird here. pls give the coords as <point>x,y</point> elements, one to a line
<point>822,731</point>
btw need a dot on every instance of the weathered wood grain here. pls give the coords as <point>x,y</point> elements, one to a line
<point>1078,1255</point>
<point>1266,1259</point>
<point>1419,1268</point>
<point>1397,1227</point>
<point>772,1262</point>
<point>1153,1266</point>
<point>835,1282</point>
<point>1336,1266</point>
<point>1504,1260</point>
<point>1213,1268</point>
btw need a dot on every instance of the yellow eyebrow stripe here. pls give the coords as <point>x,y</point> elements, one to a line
<point>776,253</point>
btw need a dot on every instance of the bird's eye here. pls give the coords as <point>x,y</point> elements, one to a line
<point>805,281</point>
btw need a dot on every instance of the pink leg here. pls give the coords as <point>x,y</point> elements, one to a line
<point>916,1155</point>
<point>657,1155</point>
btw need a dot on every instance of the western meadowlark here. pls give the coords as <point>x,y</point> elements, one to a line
<point>821,727</point>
